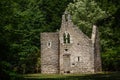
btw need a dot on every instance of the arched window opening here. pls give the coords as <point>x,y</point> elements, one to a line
<point>66,37</point>
<point>49,44</point>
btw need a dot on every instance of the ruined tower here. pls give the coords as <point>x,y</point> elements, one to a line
<point>70,50</point>
<point>49,52</point>
<point>96,46</point>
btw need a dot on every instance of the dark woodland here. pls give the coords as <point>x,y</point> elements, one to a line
<point>22,21</point>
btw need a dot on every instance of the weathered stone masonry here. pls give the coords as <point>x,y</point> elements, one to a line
<point>70,50</point>
<point>49,52</point>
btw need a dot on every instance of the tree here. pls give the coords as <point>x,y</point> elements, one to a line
<point>109,28</point>
<point>104,13</point>
<point>85,13</point>
<point>21,24</point>
<point>27,25</point>
<point>53,10</point>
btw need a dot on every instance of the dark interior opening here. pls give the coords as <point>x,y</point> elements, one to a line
<point>66,71</point>
<point>66,19</point>
<point>78,44</point>
<point>66,49</point>
<point>73,63</point>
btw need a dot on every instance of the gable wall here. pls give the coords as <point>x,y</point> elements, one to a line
<point>80,46</point>
<point>56,56</point>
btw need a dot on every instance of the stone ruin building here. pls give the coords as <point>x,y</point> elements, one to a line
<point>69,50</point>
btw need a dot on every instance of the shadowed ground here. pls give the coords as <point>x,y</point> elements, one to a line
<point>100,76</point>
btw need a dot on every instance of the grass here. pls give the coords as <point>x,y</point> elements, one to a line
<point>99,76</point>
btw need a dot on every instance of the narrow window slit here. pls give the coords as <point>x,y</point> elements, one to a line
<point>78,59</point>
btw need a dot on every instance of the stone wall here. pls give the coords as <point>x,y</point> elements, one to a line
<point>70,50</point>
<point>97,55</point>
<point>49,53</point>
<point>80,49</point>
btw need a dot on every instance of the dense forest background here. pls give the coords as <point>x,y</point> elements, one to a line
<point>21,22</point>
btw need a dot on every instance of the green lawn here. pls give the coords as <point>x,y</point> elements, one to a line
<point>100,76</point>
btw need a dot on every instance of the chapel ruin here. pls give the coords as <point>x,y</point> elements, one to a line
<point>70,50</point>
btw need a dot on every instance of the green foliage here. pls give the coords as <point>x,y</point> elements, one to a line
<point>23,20</point>
<point>111,60</point>
<point>21,24</point>
<point>28,22</point>
<point>110,36</point>
<point>105,14</point>
<point>53,11</point>
<point>85,13</point>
